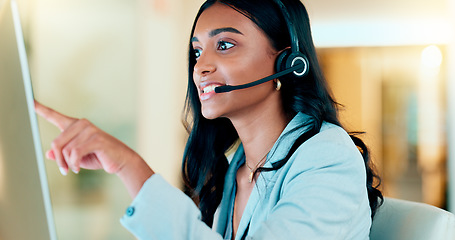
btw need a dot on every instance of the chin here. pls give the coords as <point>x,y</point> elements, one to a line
<point>212,112</point>
<point>210,115</point>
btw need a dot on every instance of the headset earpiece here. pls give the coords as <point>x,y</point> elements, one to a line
<point>297,58</point>
<point>288,59</point>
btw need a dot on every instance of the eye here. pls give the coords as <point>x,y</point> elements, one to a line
<point>223,45</point>
<point>197,53</point>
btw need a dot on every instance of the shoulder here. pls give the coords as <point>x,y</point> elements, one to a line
<point>325,181</point>
<point>331,139</point>
<point>332,149</point>
<point>332,134</point>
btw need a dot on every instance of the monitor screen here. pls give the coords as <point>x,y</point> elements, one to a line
<point>25,206</point>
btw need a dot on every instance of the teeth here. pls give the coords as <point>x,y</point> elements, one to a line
<point>209,89</point>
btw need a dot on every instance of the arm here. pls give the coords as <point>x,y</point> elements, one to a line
<point>161,211</point>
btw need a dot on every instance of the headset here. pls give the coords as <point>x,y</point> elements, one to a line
<point>291,57</point>
<point>289,61</point>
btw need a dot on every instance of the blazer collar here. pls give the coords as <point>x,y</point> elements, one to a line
<point>296,127</point>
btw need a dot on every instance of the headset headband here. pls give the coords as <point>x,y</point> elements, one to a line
<point>290,25</point>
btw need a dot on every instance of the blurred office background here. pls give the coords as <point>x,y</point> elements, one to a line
<point>122,64</point>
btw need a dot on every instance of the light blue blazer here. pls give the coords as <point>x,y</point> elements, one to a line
<point>320,193</point>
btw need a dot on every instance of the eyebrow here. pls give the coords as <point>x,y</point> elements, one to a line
<point>218,31</point>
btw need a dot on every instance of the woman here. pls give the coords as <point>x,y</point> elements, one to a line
<point>296,174</point>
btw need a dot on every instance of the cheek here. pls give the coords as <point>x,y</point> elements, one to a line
<point>195,83</point>
<point>256,66</point>
<point>246,70</point>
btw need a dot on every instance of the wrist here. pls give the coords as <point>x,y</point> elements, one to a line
<point>134,173</point>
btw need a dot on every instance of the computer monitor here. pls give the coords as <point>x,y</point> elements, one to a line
<point>25,206</point>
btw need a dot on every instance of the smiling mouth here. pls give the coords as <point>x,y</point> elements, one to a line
<point>209,89</point>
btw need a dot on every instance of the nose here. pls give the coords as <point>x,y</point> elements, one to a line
<point>205,65</point>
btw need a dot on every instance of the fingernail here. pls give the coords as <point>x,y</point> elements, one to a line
<point>74,171</point>
<point>50,155</point>
<point>62,170</point>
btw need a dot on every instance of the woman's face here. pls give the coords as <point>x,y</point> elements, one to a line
<point>231,50</point>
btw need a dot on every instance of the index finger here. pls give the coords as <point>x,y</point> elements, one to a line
<point>59,120</point>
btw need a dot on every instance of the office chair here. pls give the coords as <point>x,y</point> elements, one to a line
<point>405,220</point>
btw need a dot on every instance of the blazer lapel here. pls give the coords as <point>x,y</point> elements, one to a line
<point>248,213</point>
<point>228,191</point>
